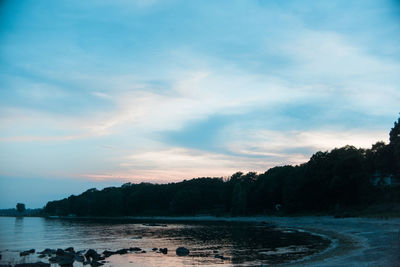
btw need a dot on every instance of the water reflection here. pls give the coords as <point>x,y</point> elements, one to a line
<point>19,224</point>
<point>209,243</point>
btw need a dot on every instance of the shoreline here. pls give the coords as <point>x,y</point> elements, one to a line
<point>355,241</point>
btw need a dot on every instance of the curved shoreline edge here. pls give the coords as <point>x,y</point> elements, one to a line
<point>336,248</point>
<point>313,257</point>
<point>355,241</point>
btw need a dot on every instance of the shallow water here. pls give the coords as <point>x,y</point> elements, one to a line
<point>241,243</point>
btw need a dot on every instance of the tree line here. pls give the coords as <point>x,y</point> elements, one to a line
<point>333,180</point>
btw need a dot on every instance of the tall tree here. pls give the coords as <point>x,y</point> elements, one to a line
<point>20,207</point>
<point>394,137</point>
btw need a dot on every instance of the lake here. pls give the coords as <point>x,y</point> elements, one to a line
<point>239,243</point>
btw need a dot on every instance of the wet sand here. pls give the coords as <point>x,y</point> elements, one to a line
<point>356,241</point>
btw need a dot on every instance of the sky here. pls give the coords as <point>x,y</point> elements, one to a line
<point>100,93</point>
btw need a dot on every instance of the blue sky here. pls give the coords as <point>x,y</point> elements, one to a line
<point>98,93</point>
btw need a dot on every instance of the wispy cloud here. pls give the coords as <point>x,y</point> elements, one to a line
<point>279,144</point>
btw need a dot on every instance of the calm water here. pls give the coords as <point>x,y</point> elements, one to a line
<point>243,243</point>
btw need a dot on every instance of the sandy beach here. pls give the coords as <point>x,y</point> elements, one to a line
<point>356,241</point>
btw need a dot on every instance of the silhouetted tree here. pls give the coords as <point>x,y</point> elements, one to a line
<point>20,207</point>
<point>394,137</point>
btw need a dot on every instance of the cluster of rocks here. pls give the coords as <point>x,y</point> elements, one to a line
<point>66,257</point>
<point>217,256</point>
<point>27,252</point>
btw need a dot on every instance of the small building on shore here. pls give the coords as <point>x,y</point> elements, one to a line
<point>379,179</point>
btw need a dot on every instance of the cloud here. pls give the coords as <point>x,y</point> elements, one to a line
<point>101,95</point>
<point>128,78</point>
<point>366,81</point>
<point>246,151</point>
<point>279,144</point>
<point>176,163</point>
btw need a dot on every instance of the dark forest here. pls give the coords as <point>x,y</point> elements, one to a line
<point>339,180</point>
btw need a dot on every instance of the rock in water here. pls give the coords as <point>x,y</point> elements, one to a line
<point>60,252</point>
<point>79,258</point>
<point>221,257</point>
<point>63,260</point>
<point>122,251</point>
<point>25,253</point>
<point>91,253</point>
<point>95,264</point>
<point>108,253</point>
<point>182,251</point>
<point>70,249</point>
<point>47,251</point>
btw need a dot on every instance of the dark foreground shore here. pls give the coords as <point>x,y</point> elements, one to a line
<point>354,241</point>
